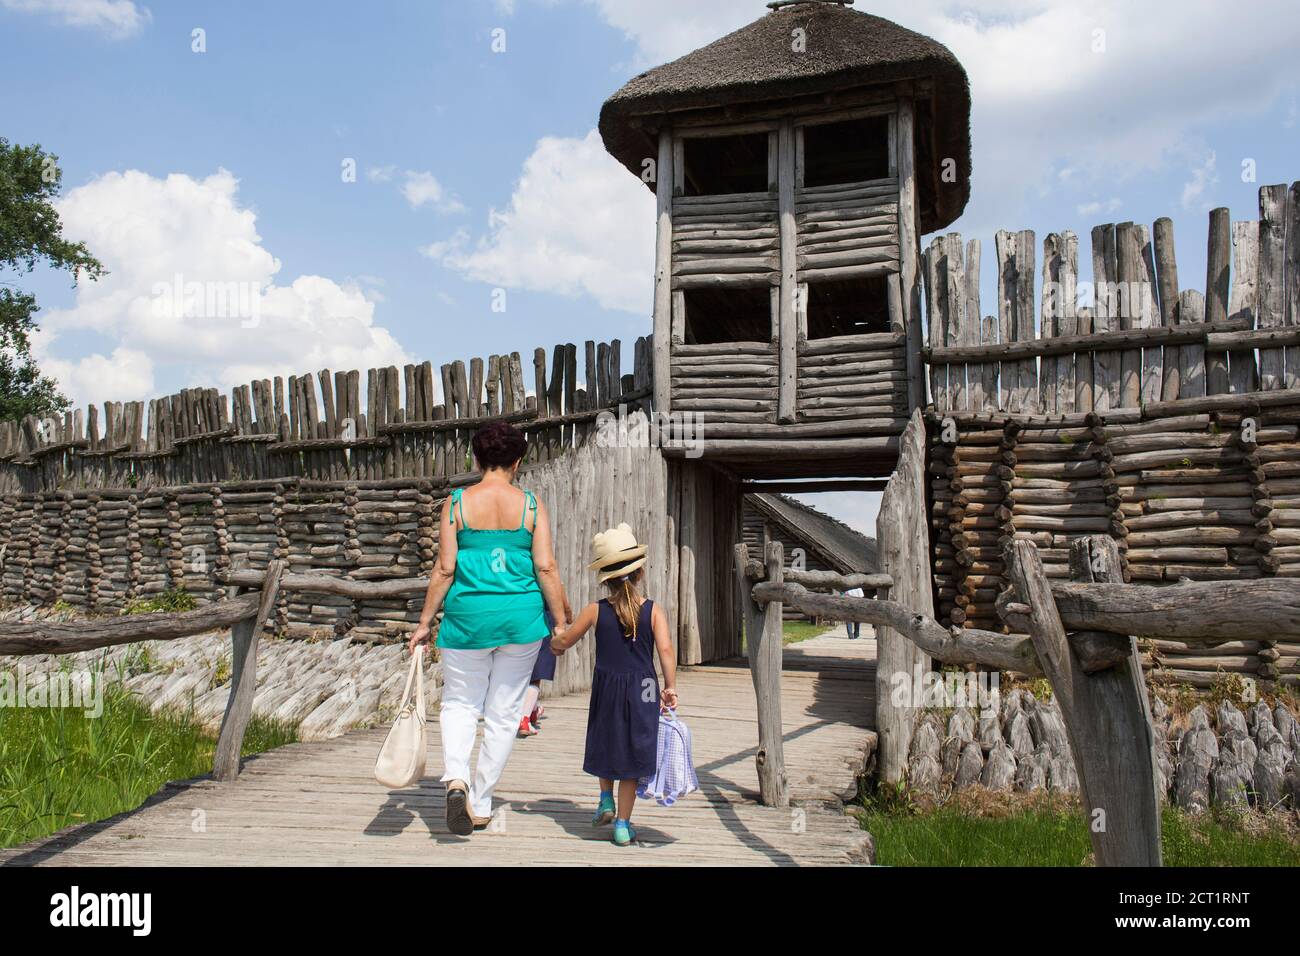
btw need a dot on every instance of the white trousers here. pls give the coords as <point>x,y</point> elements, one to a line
<point>489,683</point>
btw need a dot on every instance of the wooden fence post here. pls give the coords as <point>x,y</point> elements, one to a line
<point>1105,718</point>
<point>765,646</point>
<point>243,681</point>
<point>903,545</point>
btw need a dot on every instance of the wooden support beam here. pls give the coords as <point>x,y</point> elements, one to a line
<point>787,320</point>
<point>901,533</point>
<point>909,251</point>
<point>764,645</point>
<point>1191,611</point>
<point>1107,728</point>
<point>663,304</point>
<point>243,682</point>
<point>44,638</point>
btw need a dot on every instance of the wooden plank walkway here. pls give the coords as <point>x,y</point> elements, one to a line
<point>317,803</point>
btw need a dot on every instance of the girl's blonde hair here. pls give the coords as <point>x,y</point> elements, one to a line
<point>626,600</point>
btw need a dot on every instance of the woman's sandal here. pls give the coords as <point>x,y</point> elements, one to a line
<point>459,820</point>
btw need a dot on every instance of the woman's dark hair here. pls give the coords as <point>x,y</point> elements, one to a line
<point>499,445</point>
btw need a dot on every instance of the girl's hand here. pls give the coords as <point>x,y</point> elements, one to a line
<point>668,698</point>
<point>557,649</point>
<point>419,636</point>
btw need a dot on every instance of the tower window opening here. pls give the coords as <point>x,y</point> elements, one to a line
<point>718,165</point>
<point>855,306</point>
<point>741,314</point>
<point>851,151</point>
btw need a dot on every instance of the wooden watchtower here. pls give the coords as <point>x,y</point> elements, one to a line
<point>796,162</point>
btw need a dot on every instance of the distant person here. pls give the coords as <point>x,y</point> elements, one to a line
<point>530,717</point>
<point>496,570</point>
<point>854,628</point>
<point>623,716</point>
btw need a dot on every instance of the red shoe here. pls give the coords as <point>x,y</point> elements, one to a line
<point>536,717</point>
<point>526,728</point>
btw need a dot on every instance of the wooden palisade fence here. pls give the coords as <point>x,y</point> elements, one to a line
<point>1065,632</point>
<point>1143,340</point>
<point>314,426</point>
<point>1160,416</point>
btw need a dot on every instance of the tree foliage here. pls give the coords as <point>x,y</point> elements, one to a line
<point>31,234</point>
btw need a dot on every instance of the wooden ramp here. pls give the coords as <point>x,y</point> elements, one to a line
<point>317,803</point>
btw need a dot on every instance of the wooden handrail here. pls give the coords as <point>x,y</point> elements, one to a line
<point>1210,611</point>
<point>48,638</point>
<point>244,614</point>
<point>243,679</point>
<point>1238,331</point>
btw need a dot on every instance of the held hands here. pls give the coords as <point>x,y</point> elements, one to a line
<point>668,698</point>
<point>419,636</point>
<point>557,649</point>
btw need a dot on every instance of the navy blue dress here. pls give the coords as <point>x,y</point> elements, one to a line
<point>544,666</point>
<point>623,719</point>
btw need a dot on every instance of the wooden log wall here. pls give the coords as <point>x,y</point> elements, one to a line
<point>1143,338</point>
<point>842,228</point>
<point>724,240</point>
<point>363,507</point>
<point>315,426</point>
<point>97,550</point>
<point>1193,490</point>
<point>855,378</point>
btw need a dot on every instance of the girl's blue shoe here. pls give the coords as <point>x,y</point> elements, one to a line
<point>624,835</point>
<point>605,811</point>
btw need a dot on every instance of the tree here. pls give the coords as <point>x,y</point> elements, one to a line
<point>30,233</point>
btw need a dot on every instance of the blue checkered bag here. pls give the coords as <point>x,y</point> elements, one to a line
<point>674,775</point>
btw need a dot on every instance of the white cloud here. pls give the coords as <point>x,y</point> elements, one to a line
<point>1042,99</point>
<point>1202,177</point>
<point>156,235</point>
<point>578,223</point>
<point>422,188</point>
<point>117,18</point>
<point>1089,209</point>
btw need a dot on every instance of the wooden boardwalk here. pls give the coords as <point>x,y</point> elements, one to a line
<point>317,803</point>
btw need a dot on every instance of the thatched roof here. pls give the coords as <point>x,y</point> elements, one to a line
<point>845,49</point>
<point>844,549</point>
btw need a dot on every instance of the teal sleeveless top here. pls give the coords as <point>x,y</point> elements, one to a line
<point>494,598</point>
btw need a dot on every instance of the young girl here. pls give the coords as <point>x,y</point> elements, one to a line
<point>623,717</point>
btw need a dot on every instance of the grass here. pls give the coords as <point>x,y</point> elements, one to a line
<point>795,631</point>
<point>982,829</point>
<point>59,767</point>
<point>169,601</point>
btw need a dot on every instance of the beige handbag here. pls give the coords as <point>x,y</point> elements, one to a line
<point>401,759</point>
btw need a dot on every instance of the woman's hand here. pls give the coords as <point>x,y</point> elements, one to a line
<point>668,698</point>
<point>568,611</point>
<point>557,649</point>
<point>419,636</point>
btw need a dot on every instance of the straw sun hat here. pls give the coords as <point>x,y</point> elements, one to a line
<point>616,550</point>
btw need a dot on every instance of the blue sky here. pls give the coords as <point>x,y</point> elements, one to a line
<point>477,169</point>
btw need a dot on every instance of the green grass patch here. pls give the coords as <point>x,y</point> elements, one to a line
<point>792,632</point>
<point>59,767</point>
<point>993,830</point>
<point>169,601</point>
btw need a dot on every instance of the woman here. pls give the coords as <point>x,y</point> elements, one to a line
<point>495,567</point>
